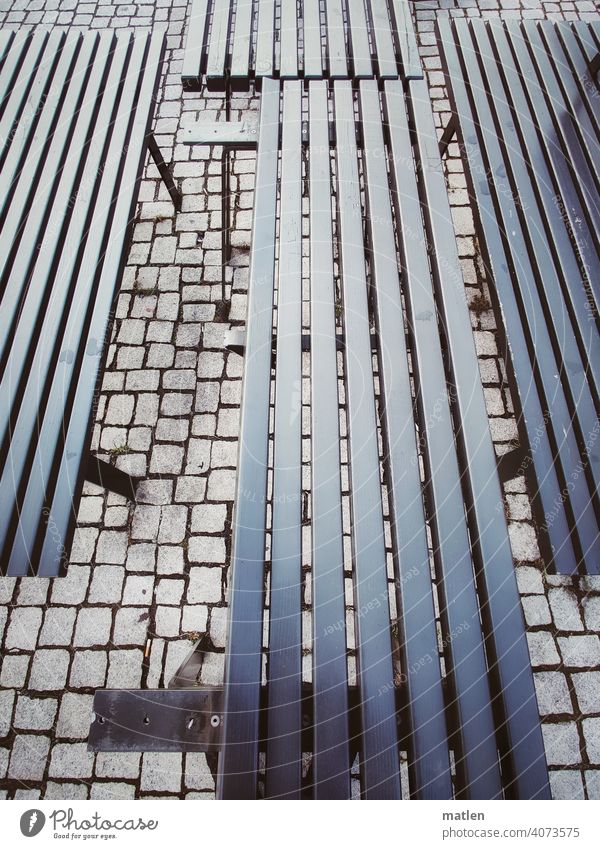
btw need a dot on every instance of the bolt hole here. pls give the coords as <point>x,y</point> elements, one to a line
<point>100,720</point>
<point>146,720</point>
<point>215,721</point>
<point>190,723</point>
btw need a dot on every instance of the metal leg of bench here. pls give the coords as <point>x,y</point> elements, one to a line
<point>447,135</point>
<point>103,474</point>
<point>163,168</point>
<point>595,65</point>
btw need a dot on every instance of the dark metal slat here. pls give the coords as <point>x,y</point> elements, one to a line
<point>358,33</point>
<point>284,679</point>
<point>380,766</point>
<point>429,758</point>
<point>533,418</point>
<point>41,419</point>
<point>216,62</point>
<point>288,40</point>
<point>580,58</point>
<point>548,298</point>
<point>242,40</point>
<point>382,34</point>
<point>238,761</point>
<point>264,65</point>
<point>501,611</point>
<point>477,760</point>
<point>126,171</point>
<point>575,288</point>
<point>406,42</point>
<point>331,767</point>
<point>313,57</point>
<point>195,42</point>
<point>337,60</point>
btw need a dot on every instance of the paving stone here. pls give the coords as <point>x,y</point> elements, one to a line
<point>84,543</point>
<point>566,784</point>
<point>154,492</point>
<point>112,547</point>
<point>28,757</point>
<point>33,591</point>
<point>169,591</point>
<point>190,489</point>
<point>161,772</point>
<point>125,669</point>
<point>131,626</point>
<point>107,584</point>
<point>166,459</point>
<point>221,485</point>
<point>23,628</point>
<point>552,693</point>
<point>587,690</point>
<point>591,733</point>
<point>118,764</point>
<point>542,649</point>
<point>145,522</point>
<point>14,670</point>
<point>4,758</point>
<point>120,409</point>
<point>65,790</point>
<point>591,610</point>
<point>592,783</point>
<point>565,609</point>
<point>7,698</point>
<point>49,669</point>
<point>197,772</point>
<point>141,557</point>
<point>35,714</point>
<point>207,549</point>
<point>173,524</point>
<point>561,742</point>
<point>75,716</point>
<point>112,790</point>
<point>71,760</point>
<point>93,626</point>
<point>218,626</point>
<point>209,518</point>
<point>138,590</point>
<point>523,541</point>
<point>88,669</point>
<point>72,588</point>
<point>167,620</point>
<point>198,456</point>
<point>194,619</point>
<point>580,651</point>
<point>170,560</point>
<point>536,610</point>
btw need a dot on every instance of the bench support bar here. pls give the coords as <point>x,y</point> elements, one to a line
<point>163,169</point>
<point>447,135</point>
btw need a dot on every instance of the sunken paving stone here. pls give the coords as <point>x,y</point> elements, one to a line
<point>169,405</point>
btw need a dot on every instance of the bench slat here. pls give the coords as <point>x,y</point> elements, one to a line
<point>194,53</point>
<point>362,65</point>
<point>405,39</point>
<point>242,40</point>
<point>128,134</point>
<point>374,668</point>
<point>284,747</point>
<point>288,40</point>
<point>429,758</point>
<point>579,59</point>
<point>331,765</point>
<point>382,34</point>
<point>265,39</point>
<point>238,761</point>
<point>500,602</point>
<point>313,56</point>
<point>216,62</point>
<point>336,45</point>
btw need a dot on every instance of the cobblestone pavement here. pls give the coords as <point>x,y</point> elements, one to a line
<point>169,412</point>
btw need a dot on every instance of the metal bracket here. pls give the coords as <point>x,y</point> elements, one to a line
<point>102,474</point>
<point>235,341</point>
<point>164,171</point>
<point>238,134</point>
<point>448,135</point>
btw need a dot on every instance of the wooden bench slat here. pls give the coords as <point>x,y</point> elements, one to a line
<point>313,56</point>
<point>500,602</point>
<point>284,724</point>
<point>429,758</point>
<point>265,39</point>
<point>382,36</point>
<point>194,54</point>
<point>238,762</point>
<point>242,40</point>
<point>374,665</point>
<point>331,765</point>
<point>337,60</point>
<point>101,262</point>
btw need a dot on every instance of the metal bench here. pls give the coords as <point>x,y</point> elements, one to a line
<point>526,102</point>
<point>75,115</point>
<point>236,41</point>
<point>353,289</point>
